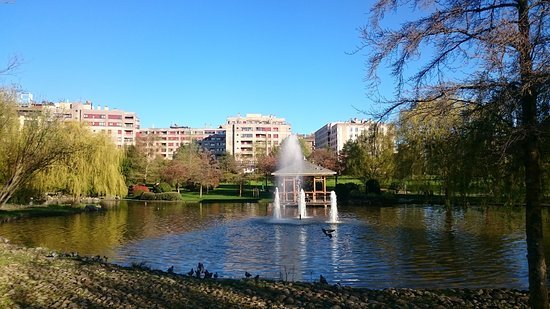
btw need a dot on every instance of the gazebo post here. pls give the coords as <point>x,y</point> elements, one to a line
<point>325,188</point>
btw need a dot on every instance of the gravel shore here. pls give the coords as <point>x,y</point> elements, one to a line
<point>33,278</point>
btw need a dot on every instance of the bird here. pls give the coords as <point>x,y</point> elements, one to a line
<point>207,274</point>
<point>256,278</point>
<point>216,275</point>
<point>322,280</point>
<point>171,269</point>
<point>328,232</point>
<point>247,274</point>
<point>190,274</point>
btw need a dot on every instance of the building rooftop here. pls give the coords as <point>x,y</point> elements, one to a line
<point>304,168</point>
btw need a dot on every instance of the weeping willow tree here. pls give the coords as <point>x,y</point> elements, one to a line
<point>95,170</point>
<point>27,146</point>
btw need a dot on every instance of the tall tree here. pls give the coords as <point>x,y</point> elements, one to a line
<point>134,164</point>
<point>267,164</point>
<point>95,170</point>
<point>473,49</point>
<point>431,148</point>
<point>326,158</point>
<point>149,145</point>
<point>28,147</point>
<point>370,156</point>
<point>196,166</point>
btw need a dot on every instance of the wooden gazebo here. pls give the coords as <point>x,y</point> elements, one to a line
<point>294,177</point>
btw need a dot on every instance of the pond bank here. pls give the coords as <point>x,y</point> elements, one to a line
<point>15,212</point>
<point>29,278</point>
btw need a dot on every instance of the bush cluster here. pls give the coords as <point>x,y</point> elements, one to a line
<point>138,190</point>
<point>162,187</point>
<point>345,190</point>
<point>165,196</point>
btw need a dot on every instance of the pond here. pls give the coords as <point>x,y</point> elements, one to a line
<point>374,247</point>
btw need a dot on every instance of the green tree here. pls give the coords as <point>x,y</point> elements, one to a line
<point>133,165</point>
<point>430,147</point>
<point>196,166</point>
<point>476,49</point>
<point>267,164</point>
<point>326,158</point>
<point>370,156</point>
<point>305,146</point>
<point>95,170</point>
<point>149,146</point>
<point>29,147</point>
<point>45,153</point>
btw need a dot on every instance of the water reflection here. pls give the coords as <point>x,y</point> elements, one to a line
<point>374,247</point>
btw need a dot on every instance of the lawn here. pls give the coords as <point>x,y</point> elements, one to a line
<point>228,192</point>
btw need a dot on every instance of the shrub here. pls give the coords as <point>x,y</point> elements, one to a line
<point>148,196</point>
<point>137,190</point>
<point>344,190</point>
<point>166,196</point>
<point>372,186</point>
<point>169,196</point>
<point>163,187</point>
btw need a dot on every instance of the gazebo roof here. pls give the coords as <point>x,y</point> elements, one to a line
<point>305,168</point>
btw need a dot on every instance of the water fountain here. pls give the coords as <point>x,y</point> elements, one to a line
<point>276,205</point>
<point>291,168</point>
<point>333,208</point>
<point>302,204</point>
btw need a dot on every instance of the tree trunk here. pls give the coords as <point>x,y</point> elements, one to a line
<point>200,190</point>
<point>7,191</point>
<point>538,289</point>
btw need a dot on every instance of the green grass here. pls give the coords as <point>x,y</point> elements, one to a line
<point>227,192</point>
<point>331,181</point>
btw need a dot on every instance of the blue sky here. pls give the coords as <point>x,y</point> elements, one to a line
<point>193,62</point>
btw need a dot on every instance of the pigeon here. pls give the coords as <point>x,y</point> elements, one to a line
<point>171,269</point>
<point>207,274</point>
<point>190,273</point>
<point>247,274</point>
<point>216,275</point>
<point>328,232</point>
<point>322,280</point>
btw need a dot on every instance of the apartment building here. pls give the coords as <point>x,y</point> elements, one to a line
<point>165,142</point>
<point>252,135</point>
<point>334,135</point>
<point>122,126</point>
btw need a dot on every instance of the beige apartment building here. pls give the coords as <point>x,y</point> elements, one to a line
<point>252,135</point>
<point>122,126</point>
<point>334,135</point>
<point>165,142</point>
